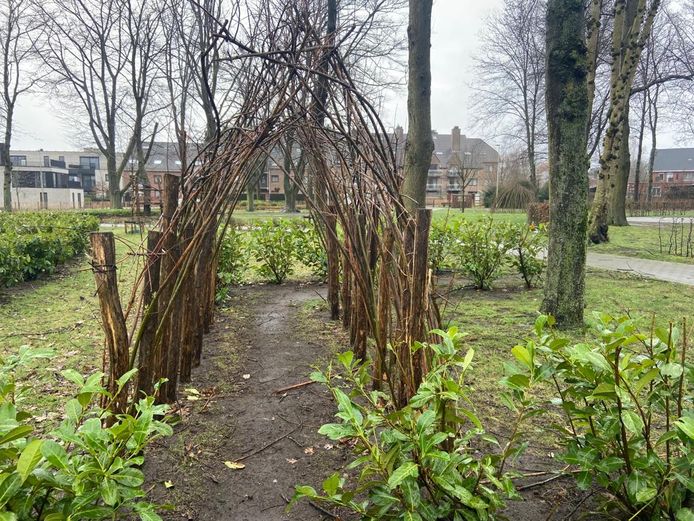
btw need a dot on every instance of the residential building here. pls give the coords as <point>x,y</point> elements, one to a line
<point>673,175</point>
<point>460,167</point>
<point>44,180</point>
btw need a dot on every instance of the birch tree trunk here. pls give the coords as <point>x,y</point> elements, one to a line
<point>567,121</point>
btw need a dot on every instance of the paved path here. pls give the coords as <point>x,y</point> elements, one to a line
<point>652,269</point>
<point>654,221</point>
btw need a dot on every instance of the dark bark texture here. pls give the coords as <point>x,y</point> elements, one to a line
<point>567,121</point>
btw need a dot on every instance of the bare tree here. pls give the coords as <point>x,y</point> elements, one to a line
<point>88,51</point>
<point>467,168</point>
<point>19,29</point>
<point>510,86</point>
<point>420,143</point>
<point>567,122</point>
<point>632,24</point>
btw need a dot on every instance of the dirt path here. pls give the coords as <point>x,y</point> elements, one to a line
<point>268,339</point>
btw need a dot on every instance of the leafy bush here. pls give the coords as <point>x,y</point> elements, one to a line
<point>232,260</point>
<point>480,249</point>
<point>273,244</point>
<point>422,462</point>
<point>441,238</point>
<point>527,243</point>
<point>310,250</point>
<point>628,401</point>
<point>82,470</point>
<point>35,243</point>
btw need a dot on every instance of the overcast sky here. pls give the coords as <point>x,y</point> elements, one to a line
<point>456,26</point>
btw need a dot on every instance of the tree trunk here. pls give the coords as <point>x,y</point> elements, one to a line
<point>617,215</point>
<point>653,124</point>
<point>6,160</point>
<point>567,119</point>
<point>639,153</point>
<point>114,193</point>
<point>420,144</point>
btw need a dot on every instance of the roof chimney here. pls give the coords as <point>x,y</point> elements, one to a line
<point>455,139</point>
<point>399,134</point>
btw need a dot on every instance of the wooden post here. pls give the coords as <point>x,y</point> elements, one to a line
<point>104,266</point>
<point>146,365</point>
<point>383,310</point>
<point>346,290</point>
<point>187,312</point>
<point>167,344</point>
<point>333,252</point>
<point>419,301</point>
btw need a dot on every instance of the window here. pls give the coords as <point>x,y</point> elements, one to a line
<point>27,179</point>
<point>157,179</point>
<point>655,191</point>
<point>178,162</point>
<point>433,167</point>
<point>157,161</point>
<point>46,161</point>
<point>48,180</point>
<point>473,182</point>
<point>18,160</point>
<point>689,176</point>
<point>670,177</point>
<point>61,159</point>
<point>274,178</point>
<point>90,162</point>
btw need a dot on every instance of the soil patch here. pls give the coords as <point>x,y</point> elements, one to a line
<point>267,339</point>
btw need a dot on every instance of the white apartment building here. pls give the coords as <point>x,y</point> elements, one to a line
<point>56,180</point>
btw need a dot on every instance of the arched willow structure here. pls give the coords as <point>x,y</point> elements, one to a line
<point>293,81</point>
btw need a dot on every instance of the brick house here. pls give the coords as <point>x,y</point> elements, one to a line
<point>673,175</point>
<point>455,154</point>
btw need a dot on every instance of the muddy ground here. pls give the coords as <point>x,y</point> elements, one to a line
<point>265,339</point>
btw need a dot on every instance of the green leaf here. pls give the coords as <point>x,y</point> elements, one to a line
<point>632,422</point>
<point>18,432</point>
<point>671,370</point>
<point>30,457</point>
<point>523,356</point>
<point>55,454</point>
<point>9,487</point>
<point>645,495</point>
<point>109,492</point>
<point>331,484</point>
<point>73,376</point>
<point>305,491</point>
<point>336,431</point>
<point>686,425</point>
<point>685,514</point>
<point>9,516</point>
<point>125,378</point>
<point>404,471</point>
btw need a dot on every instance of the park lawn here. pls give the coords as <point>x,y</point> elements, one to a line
<point>245,216</point>
<point>60,312</point>
<point>454,215</point>
<point>640,241</point>
<point>497,320</point>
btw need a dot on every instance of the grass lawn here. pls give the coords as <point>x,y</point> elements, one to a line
<point>454,214</point>
<point>495,321</point>
<point>262,215</point>
<point>61,312</point>
<point>640,241</point>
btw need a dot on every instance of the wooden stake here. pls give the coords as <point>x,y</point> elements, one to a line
<point>104,266</point>
<point>146,365</point>
<point>333,252</point>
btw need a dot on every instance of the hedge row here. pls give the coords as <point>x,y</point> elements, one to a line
<point>35,243</point>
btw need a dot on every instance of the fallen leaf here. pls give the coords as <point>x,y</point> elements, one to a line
<point>308,450</point>
<point>327,446</point>
<point>168,484</point>
<point>246,376</point>
<point>291,461</point>
<point>234,465</point>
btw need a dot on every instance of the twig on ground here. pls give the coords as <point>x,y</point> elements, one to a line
<point>292,387</point>
<point>261,449</point>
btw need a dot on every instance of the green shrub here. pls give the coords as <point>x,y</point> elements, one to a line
<point>273,244</point>
<point>35,243</point>
<point>628,404</point>
<point>232,260</point>
<point>480,248</point>
<point>441,238</point>
<point>310,250</point>
<point>82,470</point>
<point>425,461</point>
<point>527,244</point>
